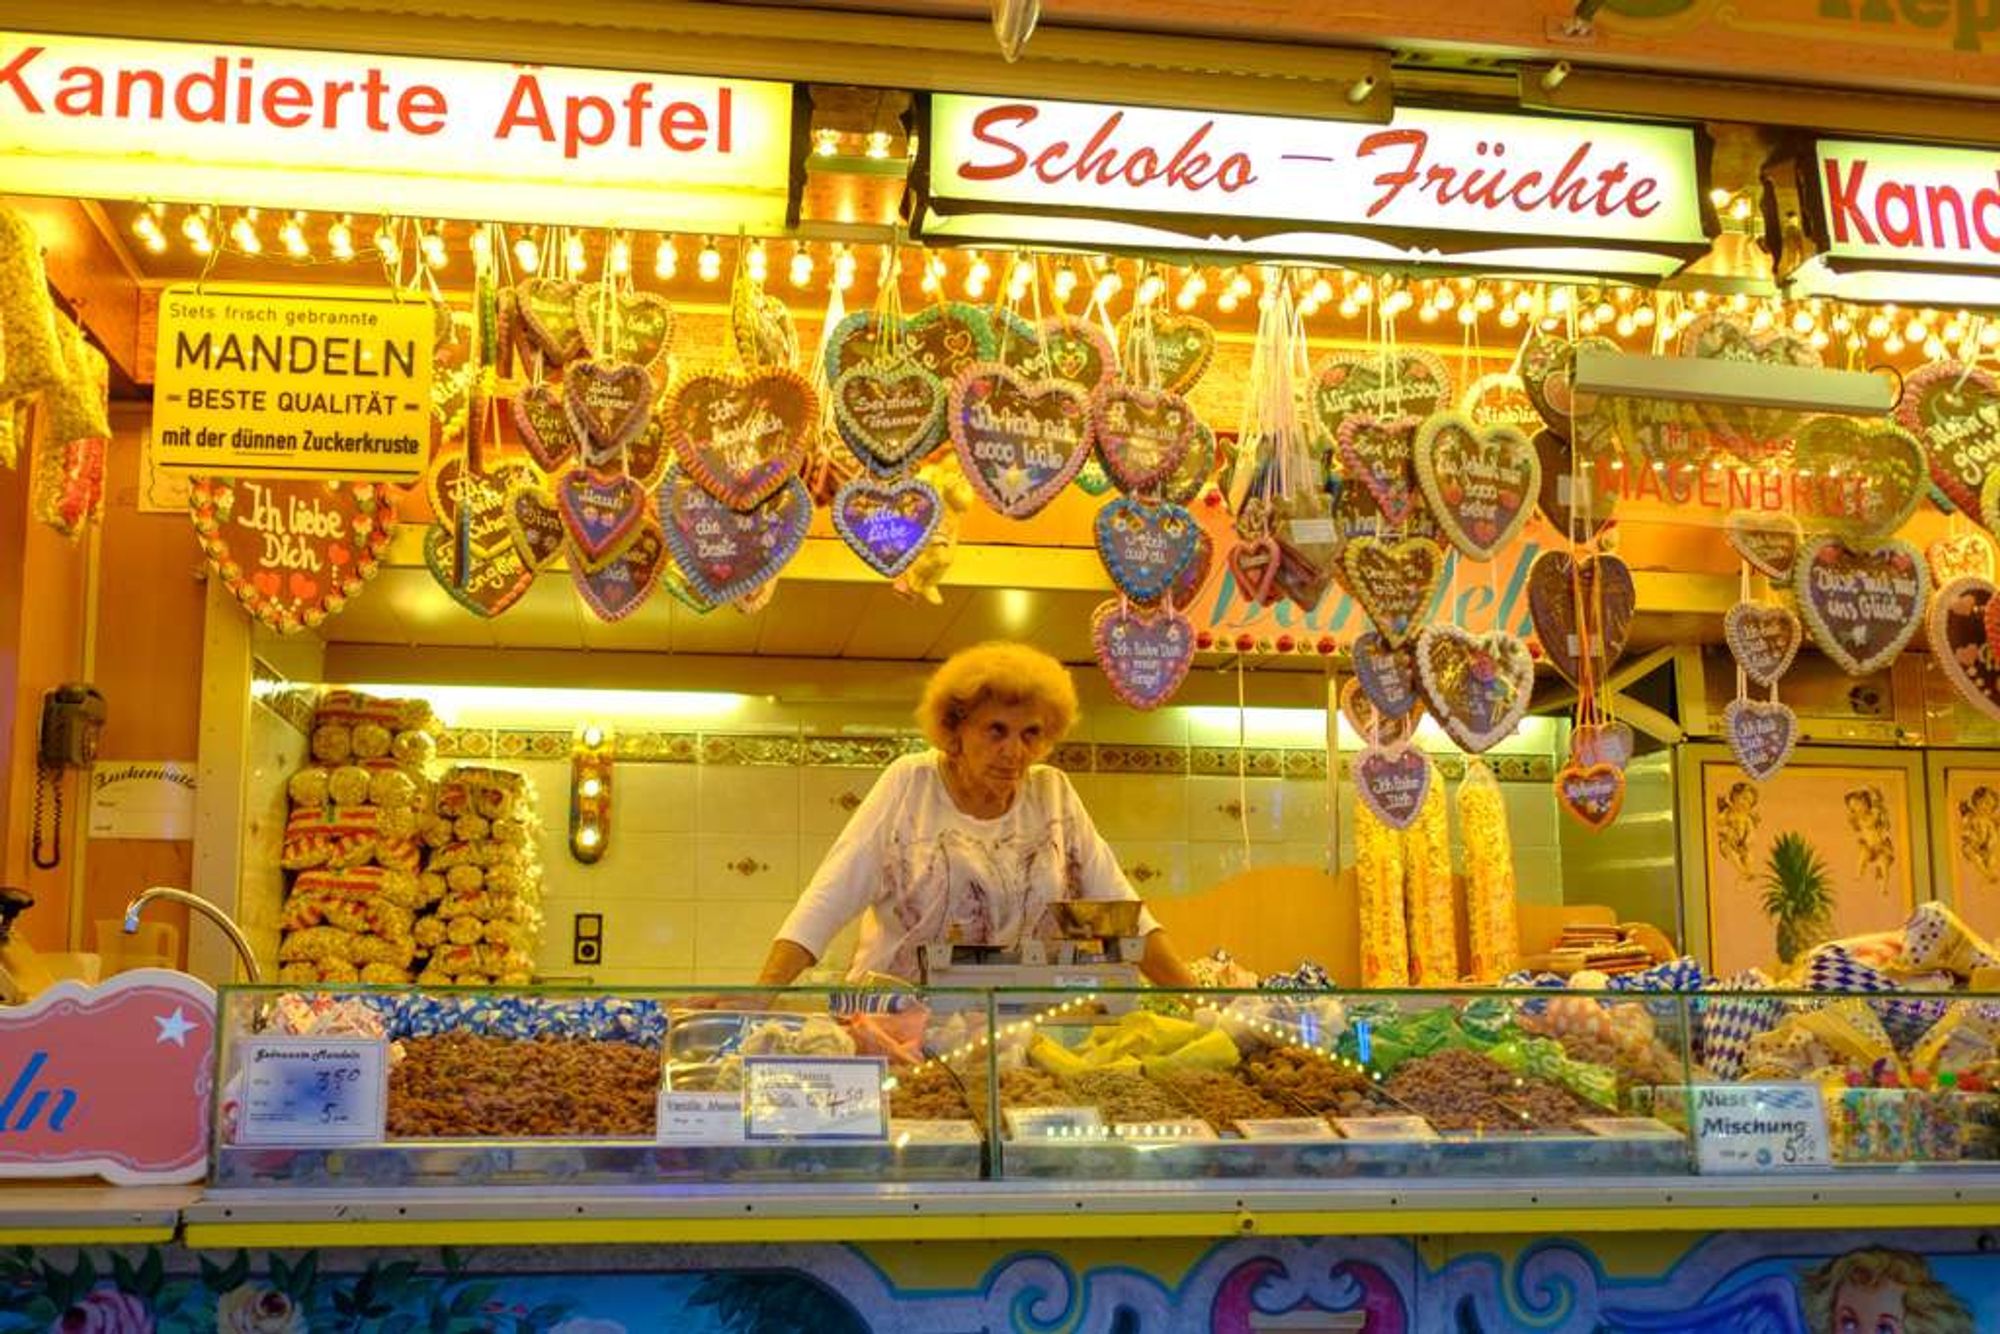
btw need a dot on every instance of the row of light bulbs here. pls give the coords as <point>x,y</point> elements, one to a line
<point>1621,312</point>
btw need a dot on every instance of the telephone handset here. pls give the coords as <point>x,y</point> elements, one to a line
<point>72,719</point>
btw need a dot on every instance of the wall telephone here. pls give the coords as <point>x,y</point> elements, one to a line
<point>72,720</point>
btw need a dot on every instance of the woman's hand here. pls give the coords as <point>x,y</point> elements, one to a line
<point>785,962</point>
<point>1162,965</point>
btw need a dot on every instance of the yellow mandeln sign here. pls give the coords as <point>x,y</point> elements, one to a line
<point>257,381</point>
<point>351,133</point>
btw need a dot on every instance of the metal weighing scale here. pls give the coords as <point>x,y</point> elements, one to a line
<point>1097,948</point>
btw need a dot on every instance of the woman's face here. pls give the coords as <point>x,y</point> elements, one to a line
<point>1871,1310</point>
<point>997,742</point>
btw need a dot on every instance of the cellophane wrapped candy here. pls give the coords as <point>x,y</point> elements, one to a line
<point>1493,932</point>
<point>1427,894</point>
<point>1378,879</point>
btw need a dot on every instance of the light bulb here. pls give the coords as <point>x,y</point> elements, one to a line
<point>1916,331</point>
<point>527,255</point>
<point>1348,310</point>
<point>1065,282</point>
<point>878,144</point>
<point>1149,290</point>
<point>574,258</point>
<point>590,787</point>
<point>482,248</point>
<point>195,228</point>
<point>802,266</point>
<point>826,141</point>
<point>843,267</point>
<point>587,836</point>
<point>243,233</point>
<point>1239,285</point>
<point>432,244</point>
<point>1107,287</point>
<point>618,256</point>
<point>666,258</point>
<point>709,264</point>
<point>292,235</point>
<point>340,238</point>
<point>981,272</point>
<point>1023,273</point>
<point>385,243</point>
<point>757,262</point>
<point>1226,303</point>
<point>146,226</point>
<point>1322,292</point>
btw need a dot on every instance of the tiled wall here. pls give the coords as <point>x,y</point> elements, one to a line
<point>714,835</point>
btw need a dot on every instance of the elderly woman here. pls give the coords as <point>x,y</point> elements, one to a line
<point>971,841</point>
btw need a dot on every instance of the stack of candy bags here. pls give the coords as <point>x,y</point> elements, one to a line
<point>483,882</point>
<point>351,843</point>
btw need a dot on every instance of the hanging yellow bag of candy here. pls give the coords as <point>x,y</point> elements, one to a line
<point>1378,887</point>
<point>33,359</point>
<point>1493,931</point>
<point>1427,894</point>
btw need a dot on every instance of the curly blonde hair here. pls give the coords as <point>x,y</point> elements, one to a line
<point>1929,1307</point>
<point>997,672</point>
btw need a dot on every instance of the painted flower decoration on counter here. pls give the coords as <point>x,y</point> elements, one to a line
<point>256,1309</point>
<point>105,1311</point>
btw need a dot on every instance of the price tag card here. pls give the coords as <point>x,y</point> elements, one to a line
<point>1078,981</point>
<point>1165,1132</point>
<point>906,1132</point>
<point>815,1097</point>
<point>1759,1127</point>
<point>1629,1127</point>
<point>1055,1123</point>
<point>1386,1129</point>
<point>307,1091</point>
<point>700,1118</point>
<point>1285,1128</point>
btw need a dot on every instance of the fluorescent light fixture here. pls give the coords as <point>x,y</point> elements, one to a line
<point>516,706</point>
<point>1733,383</point>
<point>1873,286</point>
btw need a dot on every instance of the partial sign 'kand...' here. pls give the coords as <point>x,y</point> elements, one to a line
<point>111,118</point>
<point>1909,204</point>
<point>1536,192</point>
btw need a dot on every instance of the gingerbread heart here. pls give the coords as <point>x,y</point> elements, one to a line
<point>1500,400</point>
<point>1580,606</point>
<point>1302,580</point>
<point>1956,414</point>
<point>1145,547</point>
<point>1143,435</point>
<point>1182,348</point>
<point>447,486</point>
<point>1548,374</point>
<point>1969,555</point>
<point>1601,743</point>
<point>1763,639</point>
<point>1394,581</point>
<point>292,552</point>
<point>1476,686</point>
<point>890,415</point>
<point>601,512</point>
<point>1203,457</point>
<point>1392,782</point>
<point>741,434</point>
<point>547,310</point>
<point>536,523</point>
<point>1752,434</point>
<point>1480,482</point>
<point>723,552</point>
<point>621,585</point>
<point>1593,794</point>
<point>862,339</point>
<point>948,338</point>
<point>1857,480</point>
<point>1379,454</point>
<point>608,402</point>
<point>629,325</point>
<point>1960,627</point>
<point>1356,514</point>
<point>1761,735</point>
<point>1387,676</point>
<point>1019,441</point>
<point>545,427</point>
<point>887,523</point>
<point>1861,607</point>
<point>484,583</point>
<point>1768,540</point>
<point>1254,563</point>
<point>1572,496</point>
<point>1145,654</point>
<point>1367,721</point>
<point>1074,351</point>
<point>1403,383</point>
<point>646,456</point>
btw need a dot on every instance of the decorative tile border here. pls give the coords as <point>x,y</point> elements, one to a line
<point>872,752</point>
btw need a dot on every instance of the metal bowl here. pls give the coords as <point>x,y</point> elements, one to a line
<point>1096,919</point>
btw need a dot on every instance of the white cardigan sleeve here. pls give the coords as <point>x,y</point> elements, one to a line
<point>850,876</point>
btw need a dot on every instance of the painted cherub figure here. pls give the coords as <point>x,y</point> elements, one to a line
<point>1875,842</point>
<point>1736,821</point>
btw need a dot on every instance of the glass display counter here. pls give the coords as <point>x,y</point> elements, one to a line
<point>359,1087</point>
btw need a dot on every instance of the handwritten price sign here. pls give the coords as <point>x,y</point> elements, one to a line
<point>1759,1127</point>
<point>832,1097</point>
<point>308,1092</point>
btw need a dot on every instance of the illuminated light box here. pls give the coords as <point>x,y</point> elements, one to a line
<point>1909,223</point>
<point>1445,189</point>
<point>200,123</point>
